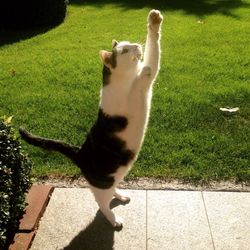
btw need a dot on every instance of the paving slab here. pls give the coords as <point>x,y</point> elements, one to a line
<point>72,221</point>
<point>229,218</point>
<point>133,235</point>
<point>177,220</point>
<point>153,220</point>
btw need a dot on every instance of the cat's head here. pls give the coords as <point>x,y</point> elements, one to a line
<point>125,57</point>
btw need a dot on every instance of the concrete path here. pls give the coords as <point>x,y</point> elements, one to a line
<point>153,220</point>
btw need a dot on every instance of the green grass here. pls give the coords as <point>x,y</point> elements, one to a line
<point>54,91</point>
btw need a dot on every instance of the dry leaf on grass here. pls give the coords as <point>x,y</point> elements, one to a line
<point>230,110</point>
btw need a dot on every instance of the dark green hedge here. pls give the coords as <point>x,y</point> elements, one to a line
<point>15,180</point>
<point>32,13</point>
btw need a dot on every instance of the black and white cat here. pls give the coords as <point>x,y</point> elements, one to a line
<point>114,141</point>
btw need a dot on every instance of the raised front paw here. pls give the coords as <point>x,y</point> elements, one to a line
<point>146,71</point>
<point>154,19</point>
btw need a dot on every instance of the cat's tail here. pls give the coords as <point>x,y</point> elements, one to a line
<point>54,145</point>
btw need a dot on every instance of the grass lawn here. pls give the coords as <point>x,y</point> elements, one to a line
<point>50,82</point>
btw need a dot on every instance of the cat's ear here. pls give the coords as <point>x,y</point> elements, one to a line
<point>114,43</point>
<point>105,57</point>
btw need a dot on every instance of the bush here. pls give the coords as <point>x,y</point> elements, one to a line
<point>32,13</point>
<point>15,180</point>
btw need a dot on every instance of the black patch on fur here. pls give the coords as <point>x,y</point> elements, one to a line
<point>103,152</point>
<point>112,59</point>
<point>106,72</point>
<point>124,51</point>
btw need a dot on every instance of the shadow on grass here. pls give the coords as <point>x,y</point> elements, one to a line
<point>191,7</point>
<point>99,234</point>
<point>9,36</point>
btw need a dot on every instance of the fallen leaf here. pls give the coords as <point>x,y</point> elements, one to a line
<point>13,72</point>
<point>230,110</point>
<point>8,119</point>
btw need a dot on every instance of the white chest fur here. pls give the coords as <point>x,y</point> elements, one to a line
<point>132,101</point>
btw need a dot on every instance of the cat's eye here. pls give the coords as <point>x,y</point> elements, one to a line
<point>124,51</point>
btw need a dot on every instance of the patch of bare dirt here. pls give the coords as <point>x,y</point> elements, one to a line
<point>148,184</point>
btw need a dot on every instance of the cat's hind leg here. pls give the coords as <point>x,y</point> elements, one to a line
<point>103,198</point>
<point>118,194</point>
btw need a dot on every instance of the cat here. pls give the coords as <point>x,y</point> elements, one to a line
<point>114,141</point>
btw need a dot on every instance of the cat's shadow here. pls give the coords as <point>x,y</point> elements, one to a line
<point>99,234</point>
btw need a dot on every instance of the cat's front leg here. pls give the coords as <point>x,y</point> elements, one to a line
<point>146,72</point>
<point>154,21</point>
<point>144,78</point>
<point>152,48</point>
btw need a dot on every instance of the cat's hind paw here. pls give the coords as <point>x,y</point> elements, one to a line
<point>118,223</point>
<point>121,196</point>
<point>154,19</point>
